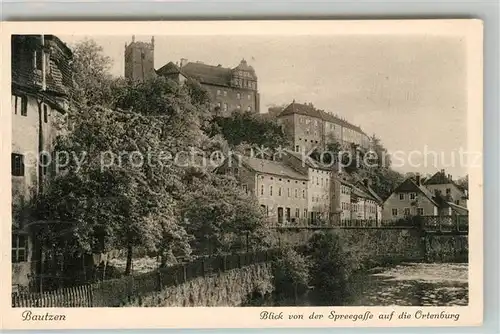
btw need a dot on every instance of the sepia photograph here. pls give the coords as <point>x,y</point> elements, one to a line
<point>243,170</point>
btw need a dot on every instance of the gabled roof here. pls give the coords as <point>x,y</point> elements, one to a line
<point>308,161</point>
<point>272,167</point>
<point>458,208</point>
<point>208,74</point>
<point>370,191</point>
<point>439,178</point>
<point>409,185</point>
<point>169,68</point>
<point>301,109</point>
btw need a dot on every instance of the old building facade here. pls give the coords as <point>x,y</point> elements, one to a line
<point>447,187</point>
<point>41,82</point>
<point>230,88</point>
<point>311,128</point>
<point>281,191</point>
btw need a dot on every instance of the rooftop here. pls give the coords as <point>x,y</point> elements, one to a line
<point>273,168</point>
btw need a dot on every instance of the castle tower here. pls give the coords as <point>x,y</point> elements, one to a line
<point>139,60</point>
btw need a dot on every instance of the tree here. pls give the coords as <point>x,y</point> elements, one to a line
<point>220,215</point>
<point>331,267</point>
<point>463,182</point>
<point>291,274</point>
<point>92,80</point>
<point>246,127</point>
<point>114,187</point>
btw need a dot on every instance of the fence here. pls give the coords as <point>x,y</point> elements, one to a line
<point>116,292</point>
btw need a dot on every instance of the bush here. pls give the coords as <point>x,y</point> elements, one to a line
<point>291,274</point>
<point>331,267</point>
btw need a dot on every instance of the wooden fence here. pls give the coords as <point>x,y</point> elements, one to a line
<point>116,292</point>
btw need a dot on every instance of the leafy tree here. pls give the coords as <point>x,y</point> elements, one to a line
<point>463,182</point>
<point>221,215</point>
<point>331,267</point>
<point>92,79</point>
<point>113,197</point>
<point>246,127</point>
<point>291,274</point>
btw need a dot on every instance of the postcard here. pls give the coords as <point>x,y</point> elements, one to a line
<point>228,174</point>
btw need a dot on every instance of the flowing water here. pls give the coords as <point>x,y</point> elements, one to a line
<point>407,284</point>
<point>413,284</point>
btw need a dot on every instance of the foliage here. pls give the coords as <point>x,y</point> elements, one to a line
<point>291,274</point>
<point>92,81</point>
<point>331,267</point>
<point>220,215</point>
<point>246,127</point>
<point>110,197</point>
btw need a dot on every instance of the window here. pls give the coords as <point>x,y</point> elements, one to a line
<point>297,148</point>
<point>394,212</point>
<point>19,248</point>
<point>24,106</point>
<point>305,213</point>
<point>407,211</point>
<point>218,104</point>
<point>245,188</point>
<point>238,96</point>
<point>457,202</point>
<point>420,211</point>
<point>279,191</point>
<point>225,107</point>
<point>413,195</point>
<point>448,190</point>
<point>249,108</point>
<point>17,164</point>
<point>262,189</point>
<point>270,190</point>
<point>225,93</point>
<point>37,60</point>
<point>401,196</point>
<point>303,194</point>
<point>45,113</point>
<point>288,190</point>
<point>44,163</point>
<point>238,106</point>
<point>296,193</point>
<point>297,213</point>
<point>218,91</point>
<point>249,96</point>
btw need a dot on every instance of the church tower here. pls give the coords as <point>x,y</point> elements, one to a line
<point>139,60</point>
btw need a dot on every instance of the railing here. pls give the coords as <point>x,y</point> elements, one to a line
<point>427,223</point>
<point>116,292</point>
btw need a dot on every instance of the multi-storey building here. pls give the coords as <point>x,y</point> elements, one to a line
<point>41,82</point>
<point>282,192</point>
<point>319,185</point>
<point>357,202</point>
<point>412,198</point>
<point>311,128</point>
<point>231,89</point>
<point>445,185</point>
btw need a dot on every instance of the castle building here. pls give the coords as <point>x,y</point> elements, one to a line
<point>311,128</point>
<point>139,60</point>
<point>231,89</point>
<point>41,82</point>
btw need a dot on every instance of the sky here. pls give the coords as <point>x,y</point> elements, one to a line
<point>410,91</point>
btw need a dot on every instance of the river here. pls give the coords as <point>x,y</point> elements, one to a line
<point>413,284</point>
<point>407,284</point>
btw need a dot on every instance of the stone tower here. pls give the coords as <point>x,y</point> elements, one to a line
<point>139,60</point>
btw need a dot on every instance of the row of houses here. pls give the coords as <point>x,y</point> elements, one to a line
<point>301,191</point>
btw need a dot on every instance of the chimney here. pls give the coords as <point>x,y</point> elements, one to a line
<point>442,171</point>
<point>183,62</point>
<point>417,179</point>
<point>133,38</point>
<point>153,41</point>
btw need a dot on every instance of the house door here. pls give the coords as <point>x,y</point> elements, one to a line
<point>288,214</point>
<point>280,215</point>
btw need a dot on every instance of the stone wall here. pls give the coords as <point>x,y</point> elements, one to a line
<point>231,288</point>
<point>389,244</point>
